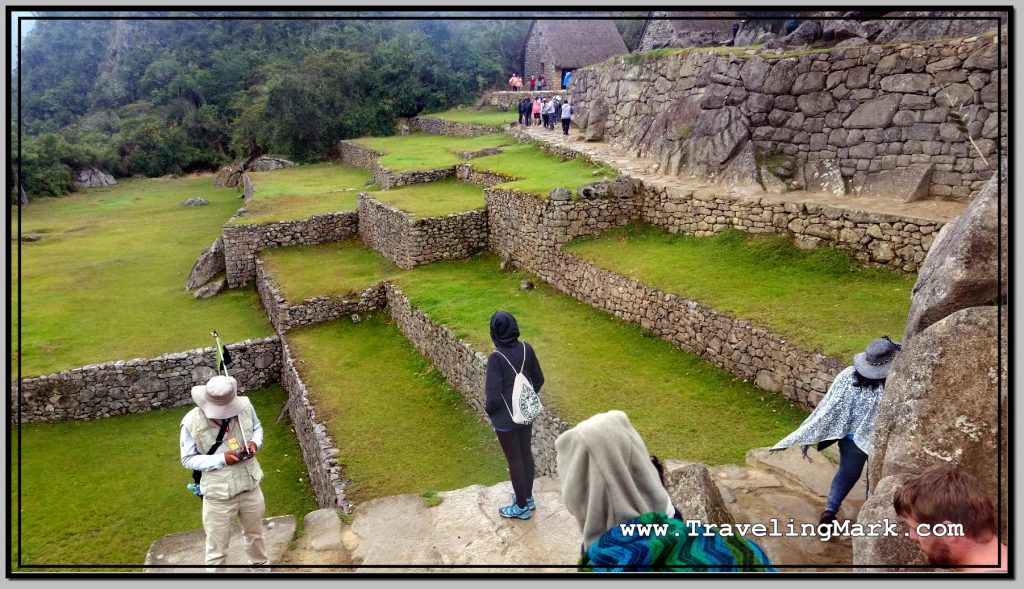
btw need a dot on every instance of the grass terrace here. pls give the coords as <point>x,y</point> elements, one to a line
<point>488,115</point>
<point>105,279</point>
<point>422,151</point>
<point>538,172</point>
<point>338,268</point>
<point>820,300</point>
<point>100,492</point>
<point>683,407</point>
<point>291,194</point>
<point>434,199</point>
<point>400,426</point>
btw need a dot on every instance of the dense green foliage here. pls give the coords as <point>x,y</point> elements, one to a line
<point>155,97</point>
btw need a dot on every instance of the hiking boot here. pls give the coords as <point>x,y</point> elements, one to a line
<point>515,511</point>
<point>530,504</point>
<point>827,517</point>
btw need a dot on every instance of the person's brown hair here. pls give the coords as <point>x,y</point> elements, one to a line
<point>947,494</point>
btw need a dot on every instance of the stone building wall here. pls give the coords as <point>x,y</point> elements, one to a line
<point>893,241</point>
<point>319,451</point>
<point>409,241</point>
<point>870,110</point>
<point>436,126</point>
<point>141,384</point>
<point>243,241</point>
<point>285,316</point>
<point>466,370</point>
<point>748,351</point>
<point>538,59</point>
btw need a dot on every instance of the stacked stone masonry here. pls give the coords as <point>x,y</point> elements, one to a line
<point>436,126</point>
<point>409,241</point>
<point>285,316</point>
<point>362,157</point>
<point>467,173</point>
<point>319,451</point>
<point>509,100</point>
<point>871,109</point>
<point>142,384</point>
<point>243,241</point>
<point>466,370</point>
<point>748,351</point>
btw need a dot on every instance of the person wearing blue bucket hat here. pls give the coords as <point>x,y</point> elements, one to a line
<point>846,415</point>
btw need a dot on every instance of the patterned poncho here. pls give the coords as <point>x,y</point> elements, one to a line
<point>846,409</point>
<point>674,551</point>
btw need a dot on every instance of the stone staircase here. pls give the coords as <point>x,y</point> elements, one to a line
<point>464,533</point>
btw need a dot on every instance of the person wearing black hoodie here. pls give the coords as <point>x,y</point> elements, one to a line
<point>512,356</point>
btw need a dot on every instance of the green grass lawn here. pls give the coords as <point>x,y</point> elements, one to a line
<point>684,408</point>
<point>538,171</point>
<point>100,492</point>
<point>488,115</point>
<point>819,300</point>
<point>434,199</point>
<point>339,268</point>
<point>290,194</point>
<point>107,279</point>
<point>400,427</point>
<point>422,151</point>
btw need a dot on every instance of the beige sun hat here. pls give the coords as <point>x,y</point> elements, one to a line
<point>218,398</point>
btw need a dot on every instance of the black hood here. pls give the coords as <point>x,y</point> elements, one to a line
<point>504,330</point>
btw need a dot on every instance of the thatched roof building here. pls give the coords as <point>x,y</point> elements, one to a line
<point>554,47</point>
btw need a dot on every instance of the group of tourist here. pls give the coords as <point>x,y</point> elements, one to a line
<point>547,112</point>
<point>610,483</point>
<point>516,83</point>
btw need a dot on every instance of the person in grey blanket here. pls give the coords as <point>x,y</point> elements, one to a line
<point>512,356</point>
<point>847,415</point>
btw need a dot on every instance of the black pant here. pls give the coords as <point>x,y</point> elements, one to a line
<point>565,126</point>
<point>516,445</point>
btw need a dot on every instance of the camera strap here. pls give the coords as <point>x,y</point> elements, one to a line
<point>197,475</point>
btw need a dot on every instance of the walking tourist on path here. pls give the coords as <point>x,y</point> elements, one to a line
<point>536,111</point>
<point>566,117</point>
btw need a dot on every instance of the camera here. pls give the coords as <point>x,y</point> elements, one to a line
<point>243,454</point>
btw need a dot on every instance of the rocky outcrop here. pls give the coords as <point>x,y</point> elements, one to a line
<point>211,289</point>
<point>946,404</point>
<point>597,118</point>
<point>967,264</point>
<point>209,264</point>
<point>694,494</point>
<point>93,178</point>
<point>938,25</point>
<point>265,163</point>
<point>229,176</point>
<point>895,550</point>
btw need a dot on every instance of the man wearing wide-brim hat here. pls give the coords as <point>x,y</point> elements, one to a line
<point>230,484</point>
<point>847,415</point>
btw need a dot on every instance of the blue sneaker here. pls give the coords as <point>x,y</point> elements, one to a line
<point>530,504</point>
<point>515,511</point>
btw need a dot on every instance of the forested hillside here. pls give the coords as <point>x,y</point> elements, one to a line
<point>154,97</point>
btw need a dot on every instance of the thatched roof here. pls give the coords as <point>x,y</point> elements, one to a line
<point>578,43</point>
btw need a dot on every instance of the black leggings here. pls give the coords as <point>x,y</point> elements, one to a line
<point>516,445</point>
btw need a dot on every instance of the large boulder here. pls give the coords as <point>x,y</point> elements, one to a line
<point>883,550</point>
<point>93,178</point>
<point>717,135</point>
<point>824,176</point>
<point>207,265</point>
<point>806,33</point>
<point>902,184</point>
<point>265,163</point>
<point>597,120</point>
<point>939,25</point>
<point>229,176</point>
<point>838,30</point>
<point>945,403</point>
<point>742,168</point>
<point>963,265</point>
<point>694,493</point>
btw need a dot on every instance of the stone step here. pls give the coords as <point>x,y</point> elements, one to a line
<point>189,548</point>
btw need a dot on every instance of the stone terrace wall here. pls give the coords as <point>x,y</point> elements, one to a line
<point>408,241</point>
<point>141,384</point>
<point>466,173</point>
<point>528,229</point>
<point>358,156</point>
<point>285,316</point>
<point>896,242</point>
<point>436,126</point>
<point>242,242</point>
<point>466,370</point>
<point>734,344</point>
<point>506,100</point>
<point>391,179</point>
<point>319,451</point>
<point>872,109</point>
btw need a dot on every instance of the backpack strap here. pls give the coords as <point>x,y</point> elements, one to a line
<point>511,365</point>
<point>197,475</point>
